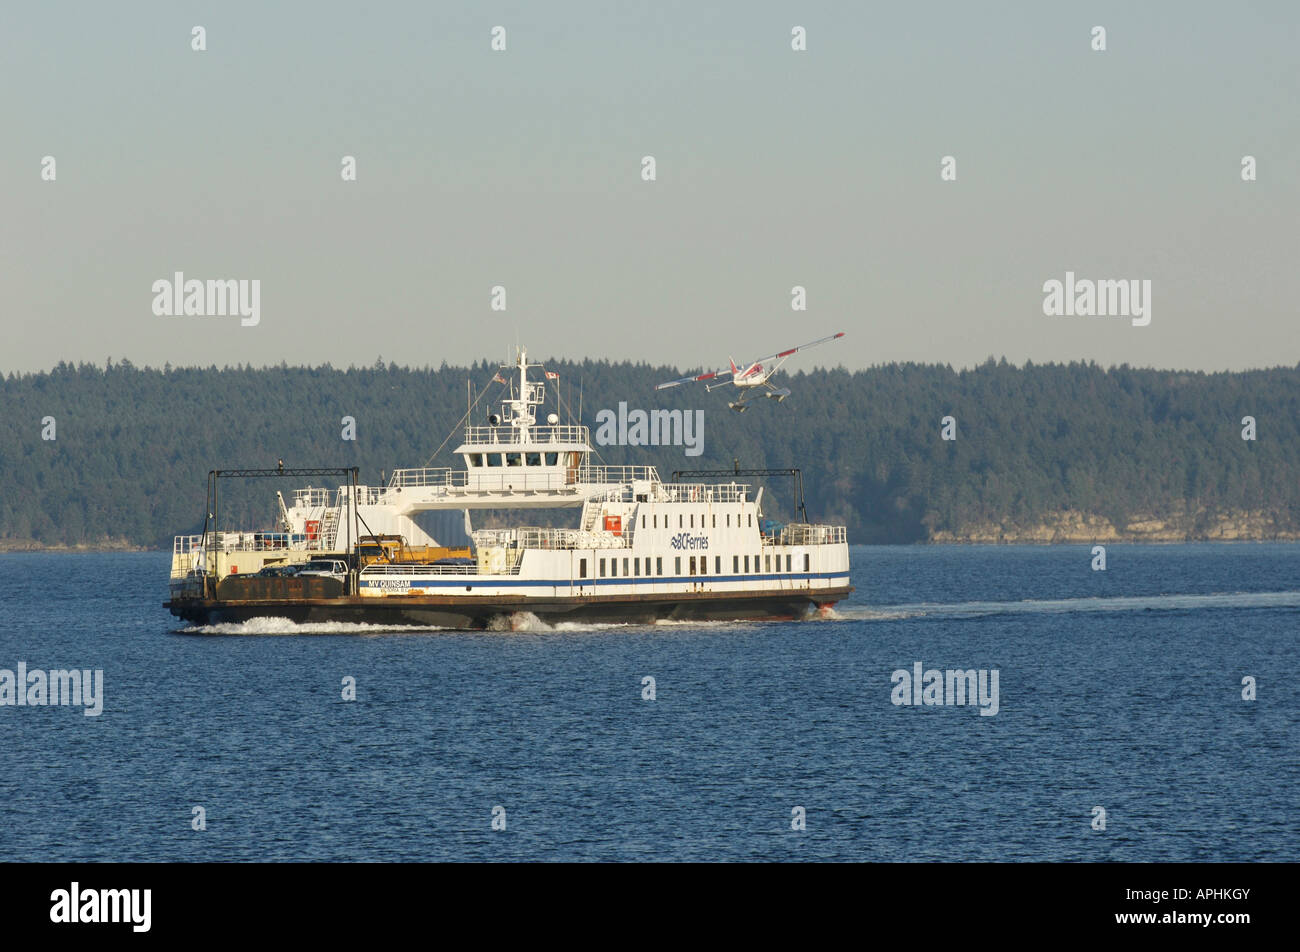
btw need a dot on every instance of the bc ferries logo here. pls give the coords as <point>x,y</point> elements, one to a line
<point>684,540</point>
<point>211,298</point>
<point>655,428</point>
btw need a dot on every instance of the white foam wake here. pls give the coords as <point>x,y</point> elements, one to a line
<point>1132,603</point>
<point>284,626</point>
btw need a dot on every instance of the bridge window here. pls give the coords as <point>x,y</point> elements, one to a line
<point>602,568</point>
<point>659,566</point>
<point>533,459</point>
<point>582,568</point>
<point>475,459</point>
<point>735,565</point>
<point>493,459</point>
<point>514,459</point>
<point>552,459</point>
<point>806,560</point>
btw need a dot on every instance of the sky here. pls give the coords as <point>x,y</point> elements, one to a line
<point>775,168</point>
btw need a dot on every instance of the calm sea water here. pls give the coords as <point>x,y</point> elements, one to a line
<point>1120,689</point>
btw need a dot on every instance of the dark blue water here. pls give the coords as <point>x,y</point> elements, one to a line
<point>1119,689</point>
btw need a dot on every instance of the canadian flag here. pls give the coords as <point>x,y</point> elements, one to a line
<point>499,379</point>
<point>551,376</point>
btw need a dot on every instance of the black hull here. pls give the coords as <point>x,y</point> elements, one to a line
<point>479,613</point>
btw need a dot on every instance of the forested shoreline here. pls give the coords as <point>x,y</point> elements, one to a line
<point>1057,452</point>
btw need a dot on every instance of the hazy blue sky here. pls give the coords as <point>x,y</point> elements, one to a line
<point>775,168</point>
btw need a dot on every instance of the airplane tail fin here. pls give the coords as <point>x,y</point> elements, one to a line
<point>734,368</point>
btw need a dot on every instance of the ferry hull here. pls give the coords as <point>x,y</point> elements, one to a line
<point>479,613</point>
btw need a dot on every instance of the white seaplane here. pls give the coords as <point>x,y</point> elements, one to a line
<point>757,374</point>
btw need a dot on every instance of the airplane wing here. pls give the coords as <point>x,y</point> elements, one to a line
<point>709,376</point>
<point>795,350</point>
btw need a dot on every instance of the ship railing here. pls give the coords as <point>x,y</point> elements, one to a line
<point>535,537</point>
<point>536,434</point>
<point>801,533</point>
<point>311,497</point>
<point>259,541</point>
<point>703,492</point>
<point>414,570</point>
<point>617,474</point>
<point>431,476</point>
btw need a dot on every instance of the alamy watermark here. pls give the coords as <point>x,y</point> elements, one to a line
<point>954,687</point>
<point>226,297</point>
<point>651,428</point>
<point>1084,297</point>
<point>66,688</point>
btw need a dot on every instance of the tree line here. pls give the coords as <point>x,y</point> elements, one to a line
<point>131,447</point>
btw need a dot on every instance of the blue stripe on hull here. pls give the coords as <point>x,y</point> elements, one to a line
<point>428,582</point>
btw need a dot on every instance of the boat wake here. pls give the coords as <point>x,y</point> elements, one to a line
<point>1072,605</point>
<point>284,626</point>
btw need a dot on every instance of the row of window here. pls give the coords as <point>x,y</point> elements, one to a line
<point>512,459</point>
<point>699,565</point>
<point>680,517</point>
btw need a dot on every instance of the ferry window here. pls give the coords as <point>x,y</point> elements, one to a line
<point>647,566</point>
<point>625,567</point>
<point>806,559</point>
<point>751,518</point>
<point>735,565</point>
<point>514,459</point>
<point>787,562</point>
<point>659,566</point>
<point>717,565</point>
<point>679,520</point>
<point>655,523</point>
<point>533,459</point>
<point>636,566</point>
<point>602,568</point>
<point>715,522</point>
<point>552,459</point>
<point>756,565</point>
<point>767,563</point>
<point>476,459</point>
<point>677,565</point>
<point>613,567</point>
<point>493,459</point>
<point>692,520</point>
<point>582,568</point>
<point>643,522</point>
<point>728,520</point>
<point>746,565</point>
<point>692,565</point>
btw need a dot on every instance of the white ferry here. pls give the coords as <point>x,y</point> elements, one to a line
<point>643,550</point>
